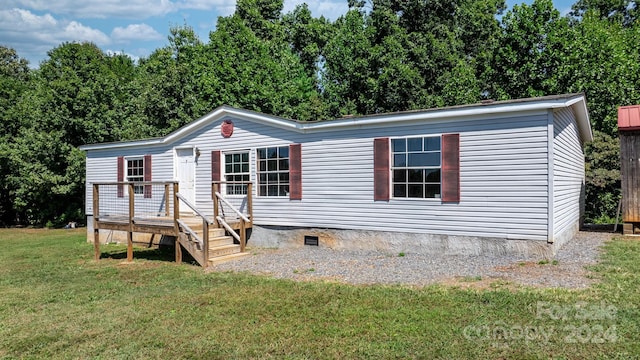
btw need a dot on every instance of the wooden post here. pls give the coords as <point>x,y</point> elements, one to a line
<point>131,215</point>
<point>96,213</point>
<point>205,241</point>
<point>176,216</point>
<point>176,208</point>
<point>166,200</point>
<point>243,235</point>
<point>250,201</point>
<point>178,251</point>
<point>216,205</point>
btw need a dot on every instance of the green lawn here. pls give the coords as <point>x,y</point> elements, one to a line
<point>56,302</point>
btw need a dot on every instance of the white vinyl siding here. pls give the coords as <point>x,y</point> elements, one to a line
<point>568,172</point>
<point>503,175</point>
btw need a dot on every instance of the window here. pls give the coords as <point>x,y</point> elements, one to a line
<point>135,173</point>
<point>416,167</point>
<point>236,169</point>
<point>273,171</point>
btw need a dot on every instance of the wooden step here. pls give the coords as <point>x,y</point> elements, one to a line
<point>223,250</point>
<point>225,258</point>
<point>215,232</point>
<point>220,241</point>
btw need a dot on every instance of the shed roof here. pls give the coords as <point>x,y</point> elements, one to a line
<point>576,102</point>
<point>629,118</point>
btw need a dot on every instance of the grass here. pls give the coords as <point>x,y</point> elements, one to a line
<point>56,302</point>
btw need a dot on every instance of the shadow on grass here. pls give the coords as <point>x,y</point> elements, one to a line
<point>162,253</point>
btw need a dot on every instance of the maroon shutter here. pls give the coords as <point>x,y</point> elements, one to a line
<point>147,176</point>
<point>120,176</point>
<point>451,168</point>
<point>381,170</point>
<point>295,172</point>
<point>215,166</point>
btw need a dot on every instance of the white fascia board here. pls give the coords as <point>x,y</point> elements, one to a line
<point>123,144</point>
<point>441,114</point>
<point>582,118</point>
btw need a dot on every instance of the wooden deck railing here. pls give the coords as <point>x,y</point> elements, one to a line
<point>120,209</point>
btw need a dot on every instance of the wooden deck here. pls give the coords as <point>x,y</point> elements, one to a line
<point>153,225</point>
<point>209,241</point>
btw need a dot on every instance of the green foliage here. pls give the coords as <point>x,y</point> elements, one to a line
<point>602,178</point>
<point>621,11</point>
<point>14,78</point>
<point>381,56</point>
<point>167,83</point>
<point>241,69</point>
<point>526,60</point>
<point>601,59</point>
<point>78,96</point>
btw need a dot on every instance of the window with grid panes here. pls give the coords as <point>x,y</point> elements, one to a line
<point>416,167</point>
<point>273,171</point>
<point>236,172</point>
<point>135,173</point>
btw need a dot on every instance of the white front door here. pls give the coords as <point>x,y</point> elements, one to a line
<point>186,176</point>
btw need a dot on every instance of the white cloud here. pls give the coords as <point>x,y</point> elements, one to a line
<point>128,9</point>
<point>218,5</point>
<point>135,32</point>
<point>75,31</point>
<point>33,35</point>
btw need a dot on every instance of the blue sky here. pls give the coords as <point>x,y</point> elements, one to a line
<point>135,27</point>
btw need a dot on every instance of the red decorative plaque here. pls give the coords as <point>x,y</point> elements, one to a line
<point>227,128</point>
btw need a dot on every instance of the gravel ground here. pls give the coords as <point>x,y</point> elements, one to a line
<point>366,267</point>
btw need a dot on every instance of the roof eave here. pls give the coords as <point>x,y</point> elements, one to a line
<point>577,103</point>
<point>579,106</point>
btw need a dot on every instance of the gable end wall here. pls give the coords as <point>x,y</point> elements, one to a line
<point>568,176</point>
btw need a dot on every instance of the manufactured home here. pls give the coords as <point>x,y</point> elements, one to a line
<point>489,178</point>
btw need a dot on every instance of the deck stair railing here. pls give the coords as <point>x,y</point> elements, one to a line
<point>235,221</point>
<point>200,242</point>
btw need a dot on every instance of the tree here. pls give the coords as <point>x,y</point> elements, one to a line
<point>14,81</point>
<point>168,83</point>
<point>78,97</point>
<point>261,16</point>
<point>403,55</point>
<point>243,69</point>
<point>602,178</point>
<point>347,80</point>
<point>14,78</point>
<point>307,36</point>
<point>526,62</point>
<point>621,11</point>
<point>601,59</point>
